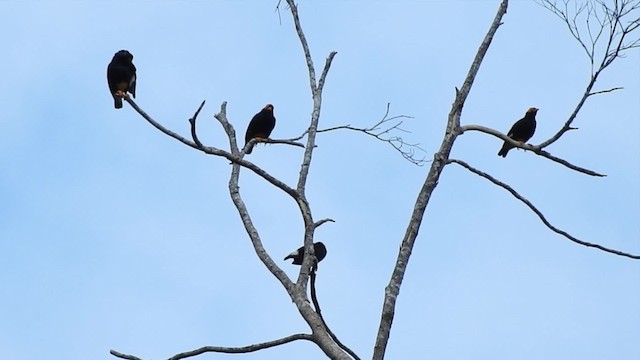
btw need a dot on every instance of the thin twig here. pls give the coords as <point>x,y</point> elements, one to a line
<point>192,121</point>
<point>605,91</point>
<point>611,31</point>
<point>228,128</point>
<point>158,126</point>
<point>278,11</point>
<point>325,71</point>
<point>316,304</point>
<point>381,130</point>
<point>538,212</point>
<point>320,222</point>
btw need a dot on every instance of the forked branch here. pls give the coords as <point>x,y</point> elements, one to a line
<point>328,343</point>
<point>296,292</point>
<point>233,157</point>
<point>316,94</point>
<point>453,122</point>
<point>605,32</point>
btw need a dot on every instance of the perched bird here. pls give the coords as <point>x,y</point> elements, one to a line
<point>521,131</point>
<point>121,75</point>
<point>318,248</point>
<point>261,126</point>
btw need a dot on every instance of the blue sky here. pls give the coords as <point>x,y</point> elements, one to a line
<point>114,236</point>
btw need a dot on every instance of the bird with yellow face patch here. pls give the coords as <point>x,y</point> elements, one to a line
<point>121,76</point>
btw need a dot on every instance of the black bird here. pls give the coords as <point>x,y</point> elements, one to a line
<point>318,248</point>
<point>121,76</point>
<point>521,131</point>
<point>260,126</point>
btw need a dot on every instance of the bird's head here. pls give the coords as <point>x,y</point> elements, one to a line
<point>532,111</point>
<point>269,108</point>
<point>123,55</point>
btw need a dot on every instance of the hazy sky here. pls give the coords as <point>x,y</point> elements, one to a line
<point>114,236</point>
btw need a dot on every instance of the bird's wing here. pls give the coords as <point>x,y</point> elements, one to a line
<point>132,83</point>
<point>293,255</point>
<point>515,126</point>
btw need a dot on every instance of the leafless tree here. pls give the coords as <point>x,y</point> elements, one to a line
<point>602,29</point>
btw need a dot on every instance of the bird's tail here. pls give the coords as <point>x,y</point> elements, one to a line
<point>505,149</point>
<point>290,256</point>
<point>117,102</point>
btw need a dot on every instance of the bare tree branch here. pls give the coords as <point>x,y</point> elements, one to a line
<point>123,356</point>
<point>563,12</point>
<point>324,340</point>
<point>393,288</point>
<point>316,93</point>
<point>320,222</point>
<point>325,71</point>
<point>316,304</point>
<point>297,292</point>
<point>234,191</point>
<point>532,148</point>
<point>305,46</point>
<point>381,131</point>
<point>227,350</point>
<point>192,121</point>
<point>233,157</point>
<point>228,128</point>
<point>605,91</point>
<point>610,27</point>
<point>158,126</point>
<point>244,349</point>
<point>278,11</point>
<point>538,212</point>
<point>255,141</point>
